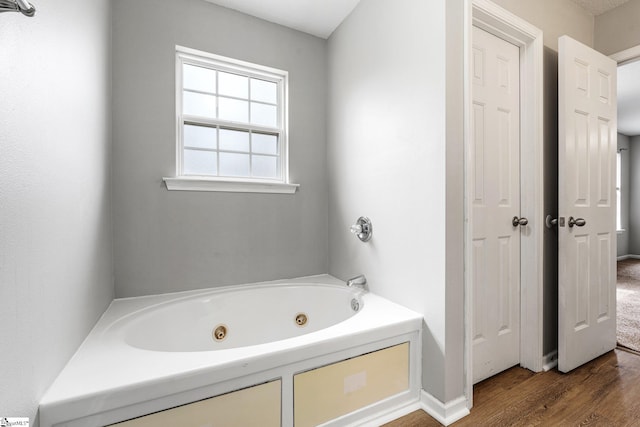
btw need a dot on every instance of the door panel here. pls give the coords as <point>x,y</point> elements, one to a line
<point>495,164</point>
<point>586,157</point>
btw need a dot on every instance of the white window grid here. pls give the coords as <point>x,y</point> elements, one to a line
<point>619,190</point>
<point>229,65</point>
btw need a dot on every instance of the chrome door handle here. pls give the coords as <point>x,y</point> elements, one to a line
<point>577,221</point>
<point>519,221</point>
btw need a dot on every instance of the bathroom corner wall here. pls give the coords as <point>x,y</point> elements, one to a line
<point>390,154</point>
<point>386,160</point>
<point>176,240</point>
<point>55,226</point>
<point>618,29</point>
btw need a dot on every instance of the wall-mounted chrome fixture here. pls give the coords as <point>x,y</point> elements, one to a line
<point>362,228</point>
<point>359,281</point>
<point>22,6</point>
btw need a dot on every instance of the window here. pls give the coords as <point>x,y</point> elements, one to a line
<point>619,190</point>
<point>231,119</point>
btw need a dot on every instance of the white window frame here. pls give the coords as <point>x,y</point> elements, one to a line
<point>619,191</point>
<point>181,181</point>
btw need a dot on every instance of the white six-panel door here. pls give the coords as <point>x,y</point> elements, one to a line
<point>586,162</point>
<point>494,166</point>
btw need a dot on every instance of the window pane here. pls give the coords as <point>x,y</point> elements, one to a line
<point>232,164</point>
<point>264,91</point>
<point>264,144</point>
<point>234,140</point>
<point>265,166</point>
<point>233,110</point>
<point>198,78</point>
<point>197,104</point>
<point>200,136</point>
<point>197,162</point>
<point>232,114</point>
<point>618,190</point>
<point>233,85</point>
<point>266,115</point>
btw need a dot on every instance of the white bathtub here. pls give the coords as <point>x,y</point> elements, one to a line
<point>147,354</point>
<point>245,316</point>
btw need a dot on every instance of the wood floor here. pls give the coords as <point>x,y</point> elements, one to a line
<point>604,392</point>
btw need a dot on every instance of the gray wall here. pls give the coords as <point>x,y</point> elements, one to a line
<point>554,18</point>
<point>618,29</point>
<point>55,231</point>
<point>171,241</point>
<point>634,197</point>
<point>623,235</point>
<point>386,160</point>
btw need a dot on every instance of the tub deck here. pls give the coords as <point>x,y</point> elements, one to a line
<point>107,381</point>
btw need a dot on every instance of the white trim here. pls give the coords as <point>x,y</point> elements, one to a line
<point>248,66</point>
<point>204,184</point>
<point>550,360</point>
<point>627,55</point>
<point>503,24</point>
<point>224,64</point>
<point>386,416</point>
<point>628,256</point>
<point>444,413</point>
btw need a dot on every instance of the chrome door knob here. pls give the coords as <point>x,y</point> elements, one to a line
<point>577,221</point>
<point>519,221</point>
<point>550,221</point>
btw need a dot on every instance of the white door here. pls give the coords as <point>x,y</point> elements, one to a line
<point>586,226</point>
<point>494,168</point>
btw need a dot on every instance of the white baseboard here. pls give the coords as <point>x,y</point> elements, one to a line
<point>388,416</point>
<point>550,360</point>
<point>444,413</point>
<point>623,257</point>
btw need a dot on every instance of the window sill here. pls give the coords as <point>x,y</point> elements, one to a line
<point>231,186</point>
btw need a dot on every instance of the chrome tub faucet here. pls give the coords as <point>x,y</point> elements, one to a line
<point>359,281</point>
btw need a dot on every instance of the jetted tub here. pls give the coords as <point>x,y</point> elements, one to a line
<point>239,317</point>
<point>148,354</point>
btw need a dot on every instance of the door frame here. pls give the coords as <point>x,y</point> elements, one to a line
<point>503,24</point>
<point>626,56</point>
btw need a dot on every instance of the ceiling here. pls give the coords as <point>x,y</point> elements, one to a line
<point>317,17</point>
<point>629,99</point>
<point>321,17</point>
<point>598,7</point>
